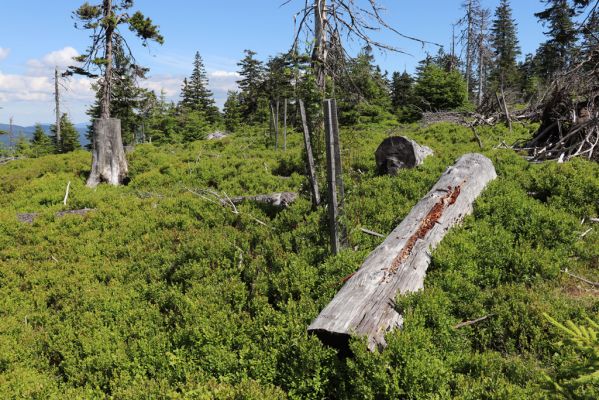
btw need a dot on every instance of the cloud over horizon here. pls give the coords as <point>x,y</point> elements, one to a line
<point>30,96</point>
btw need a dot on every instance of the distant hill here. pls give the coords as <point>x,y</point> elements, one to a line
<point>27,132</point>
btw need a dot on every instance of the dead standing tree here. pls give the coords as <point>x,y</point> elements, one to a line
<point>109,163</point>
<point>324,22</point>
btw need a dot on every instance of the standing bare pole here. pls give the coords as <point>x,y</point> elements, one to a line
<point>277,126</point>
<point>482,52</point>
<point>320,51</point>
<point>10,133</point>
<point>285,126</point>
<point>107,82</point>
<point>334,180</point>
<point>57,106</point>
<point>310,158</point>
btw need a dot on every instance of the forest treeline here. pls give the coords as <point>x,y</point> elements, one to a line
<point>483,59</point>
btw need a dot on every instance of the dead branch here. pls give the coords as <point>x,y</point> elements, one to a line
<point>475,321</point>
<point>581,278</point>
<point>373,233</point>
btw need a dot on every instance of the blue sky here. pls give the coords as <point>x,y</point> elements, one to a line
<point>35,35</point>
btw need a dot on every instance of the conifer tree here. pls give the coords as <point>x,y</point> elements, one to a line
<point>557,53</point>
<point>195,93</point>
<point>232,111</point>
<point>504,42</point>
<point>126,94</point>
<point>401,89</point>
<point>252,74</point>
<point>103,20</point>
<point>41,144</point>
<point>69,136</point>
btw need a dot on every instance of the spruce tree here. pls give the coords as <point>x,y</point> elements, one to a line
<point>195,93</point>
<point>41,144</point>
<point>126,94</point>
<point>252,74</point>
<point>69,136</point>
<point>402,88</point>
<point>103,20</point>
<point>232,111</point>
<point>504,42</point>
<point>557,53</point>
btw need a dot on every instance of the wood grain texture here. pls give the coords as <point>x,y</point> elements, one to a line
<point>365,304</point>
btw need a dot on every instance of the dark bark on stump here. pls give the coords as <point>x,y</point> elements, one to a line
<point>399,152</point>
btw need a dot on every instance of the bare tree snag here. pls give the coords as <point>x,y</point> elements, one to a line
<point>285,126</point>
<point>336,191</point>
<point>108,154</point>
<point>399,152</point>
<point>57,107</point>
<point>310,157</point>
<point>365,304</point>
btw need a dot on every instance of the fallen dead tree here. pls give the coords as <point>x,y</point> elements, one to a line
<point>569,122</point>
<point>283,199</point>
<point>398,152</point>
<point>6,160</point>
<point>365,304</point>
<point>28,218</point>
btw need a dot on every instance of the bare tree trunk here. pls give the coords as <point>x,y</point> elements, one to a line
<point>481,58</point>
<point>333,162</point>
<point>11,137</point>
<point>57,106</point>
<point>309,158</point>
<point>469,45</point>
<point>277,126</point>
<point>107,83</point>
<point>285,126</point>
<point>320,51</point>
<point>365,304</point>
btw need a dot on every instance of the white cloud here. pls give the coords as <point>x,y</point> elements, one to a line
<point>4,53</point>
<point>22,94</point>
<point>59,58</point>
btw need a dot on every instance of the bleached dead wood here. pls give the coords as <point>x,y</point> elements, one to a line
<point>365,304</point>
<point>398,152</point>
<point>283,199</point>
<point>28,218</point>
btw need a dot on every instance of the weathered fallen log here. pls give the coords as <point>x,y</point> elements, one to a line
<point>365,304</point>
<point>399,152</point>
<point>283,199</point>
<point>28,218</point>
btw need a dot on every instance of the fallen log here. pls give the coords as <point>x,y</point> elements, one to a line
<point>398,152</point>
<point>284,199</point>
<point>365,304</point>
<point>28,218</point>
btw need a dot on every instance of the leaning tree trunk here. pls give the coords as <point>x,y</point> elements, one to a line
<point>365,304</point>
<point>109,163</point>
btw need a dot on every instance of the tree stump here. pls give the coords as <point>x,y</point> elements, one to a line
<point>109,163</point>
<point>365,304</point>
<point>399,152</point>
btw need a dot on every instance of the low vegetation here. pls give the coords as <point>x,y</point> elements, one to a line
<point>161,293</point>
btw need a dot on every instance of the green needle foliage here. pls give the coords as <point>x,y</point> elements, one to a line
<point>582,374</point>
